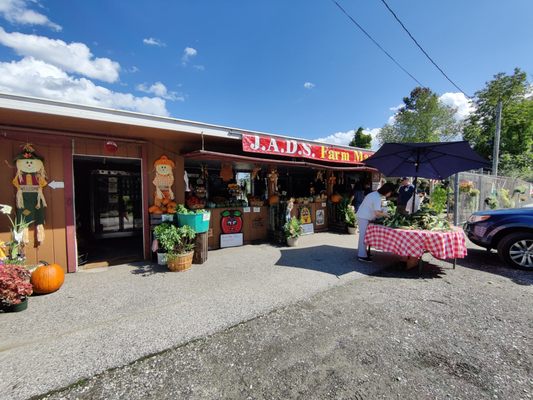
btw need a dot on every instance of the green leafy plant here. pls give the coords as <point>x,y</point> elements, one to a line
<point>175,240</point>
<point>424,219</point>
<point>15,247</point>
<point>438,199</point>
<point>503,194</point>
<point>293,228</point>
<point>350,217</point>
<point>492,202</point>
<point>181,209</point>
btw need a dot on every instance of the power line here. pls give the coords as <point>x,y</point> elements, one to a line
<point>423,51</point>
<point>375,42</point>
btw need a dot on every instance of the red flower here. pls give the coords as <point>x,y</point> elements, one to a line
<point>15,283</point>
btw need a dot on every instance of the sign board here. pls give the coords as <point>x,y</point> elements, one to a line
<point>308,229</point>
<point>167,217</point>
<point>231,240</point>
<point>295,148</point>
<point>246,209</point>
<point>319,220</point>
<point>57,185</point>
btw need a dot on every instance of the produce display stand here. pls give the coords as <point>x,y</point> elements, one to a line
<point>414,243</point>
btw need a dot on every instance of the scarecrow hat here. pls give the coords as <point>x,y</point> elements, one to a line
<point>164,160</point>
<point>28,153</point>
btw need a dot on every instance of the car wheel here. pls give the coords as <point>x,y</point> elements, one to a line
<point>516,249</point>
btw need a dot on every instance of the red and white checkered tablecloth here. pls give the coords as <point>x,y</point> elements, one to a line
<point>414,243</point>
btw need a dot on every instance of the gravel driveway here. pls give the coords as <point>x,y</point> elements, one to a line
<point>461,334</point>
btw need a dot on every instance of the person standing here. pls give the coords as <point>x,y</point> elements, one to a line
<point>357,196</point>
<point>405,192</point>
<point>418,199</point>
<point>369,210</point>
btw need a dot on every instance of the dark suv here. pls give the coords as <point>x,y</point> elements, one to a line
<point>508,230</point>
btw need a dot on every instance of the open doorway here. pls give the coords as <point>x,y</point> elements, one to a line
<point>108,203</point>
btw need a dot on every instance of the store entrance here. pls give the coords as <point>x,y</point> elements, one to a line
<point>108,203</point>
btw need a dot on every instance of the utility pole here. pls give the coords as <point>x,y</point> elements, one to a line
<point>496,147</point>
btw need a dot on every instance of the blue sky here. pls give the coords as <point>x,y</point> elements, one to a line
<point>297,68</point>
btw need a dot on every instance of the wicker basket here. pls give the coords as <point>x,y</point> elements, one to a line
<point>182,262</point>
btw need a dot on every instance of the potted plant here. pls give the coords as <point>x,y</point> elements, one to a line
<point>15,248</point>
<point>178,243</point>
<point>292,230</point>
<point>15,287</point>
<point>15,284</point>
<point>350,219</point>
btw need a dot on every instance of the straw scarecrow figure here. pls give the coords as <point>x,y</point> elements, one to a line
<point>163,181</point>
<point>29,182</point>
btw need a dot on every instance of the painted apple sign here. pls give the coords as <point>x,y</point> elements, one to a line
<point>231,227</point>
<point>231,221</point>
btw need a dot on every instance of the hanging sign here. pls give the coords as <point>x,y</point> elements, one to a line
<point>295,148</point>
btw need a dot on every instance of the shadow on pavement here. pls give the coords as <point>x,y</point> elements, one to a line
<point>398,270</point>
<point>329,259</point>
<point>488,261</point>
<point>144,269</point>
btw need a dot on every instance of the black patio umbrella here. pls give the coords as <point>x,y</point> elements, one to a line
<point>426,160</point>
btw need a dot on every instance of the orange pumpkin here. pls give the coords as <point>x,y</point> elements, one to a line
<point>273,199</point>
<point>154,209</point>
<point>335,198</point>
<point>47,278</point>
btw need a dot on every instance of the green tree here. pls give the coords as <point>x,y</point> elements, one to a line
<point>361,139</point>
<point>422,118</point>
<point>516,135</point>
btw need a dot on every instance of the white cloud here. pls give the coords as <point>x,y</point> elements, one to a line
<point>74,57</point>
<point>309,85</point>
<point>160,90</point>
<point>37,78</point>
<point>153,42</point>
<point>460,102</point>
<point>17,11</point>
<point>344,138</point>
<point>188,53</point>
<point>396,108</point>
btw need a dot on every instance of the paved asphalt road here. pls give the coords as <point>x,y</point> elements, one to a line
<point>107,318</point>
<point>461,334</point>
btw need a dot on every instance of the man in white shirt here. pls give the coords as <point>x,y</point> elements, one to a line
<point>369,210</point>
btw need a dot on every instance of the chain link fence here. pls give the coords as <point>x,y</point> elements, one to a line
<point>484,192</point>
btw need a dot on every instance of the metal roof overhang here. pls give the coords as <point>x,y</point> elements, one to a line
<point>216,156</point>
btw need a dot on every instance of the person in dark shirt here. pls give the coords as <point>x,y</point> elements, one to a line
<point>405,192</point>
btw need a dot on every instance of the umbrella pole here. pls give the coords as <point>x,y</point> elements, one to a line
<point>416,179</point>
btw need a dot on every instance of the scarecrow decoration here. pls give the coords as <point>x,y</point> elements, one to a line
<point>226,172</point>
<point>163,181</point>
<point>272,181</point>
<point>29,182</point>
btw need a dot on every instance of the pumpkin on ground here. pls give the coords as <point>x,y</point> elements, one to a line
<point>47,278</point>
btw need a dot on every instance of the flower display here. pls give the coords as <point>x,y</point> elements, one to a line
<point>14,250</point>
<point>15,283</point>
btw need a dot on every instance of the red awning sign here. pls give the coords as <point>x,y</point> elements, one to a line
<point>295,148</point>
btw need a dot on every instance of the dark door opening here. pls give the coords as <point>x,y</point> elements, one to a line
<point>108,197</point>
